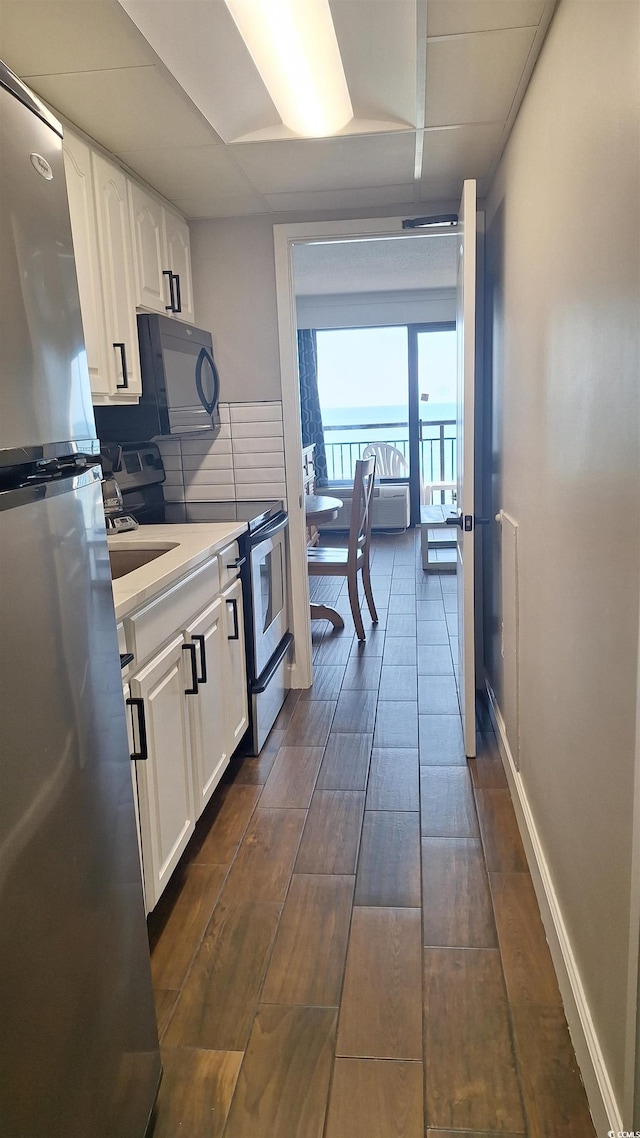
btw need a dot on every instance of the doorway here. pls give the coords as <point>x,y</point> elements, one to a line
<point>361,236</point>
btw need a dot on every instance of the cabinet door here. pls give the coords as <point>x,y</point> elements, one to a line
<point>115,241</point>
<point>179,255</point>
<point>165,789</point>
<point>207,713</point>
<point>151,262</point>
<point>77,167</point>
<point>126,692</point>
<point>235,673</point>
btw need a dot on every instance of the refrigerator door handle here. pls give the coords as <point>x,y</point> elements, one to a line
<point>193,690</point>
<point>143,753</point>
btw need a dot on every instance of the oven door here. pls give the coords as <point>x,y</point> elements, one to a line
<point>269,590</point>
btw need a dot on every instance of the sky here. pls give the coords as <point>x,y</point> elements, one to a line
<point>368,367</point>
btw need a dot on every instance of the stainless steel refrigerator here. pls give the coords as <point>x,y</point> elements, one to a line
<point>78,1040</point>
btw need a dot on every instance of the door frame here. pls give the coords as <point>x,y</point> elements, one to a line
<point>284,239</point>
<point>413,331</point>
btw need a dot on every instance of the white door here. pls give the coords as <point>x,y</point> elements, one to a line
<point>466,334</point>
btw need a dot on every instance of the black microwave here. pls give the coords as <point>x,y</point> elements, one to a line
<point>180,384</point>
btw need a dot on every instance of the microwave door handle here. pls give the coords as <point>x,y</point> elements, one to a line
<point>208,406</point>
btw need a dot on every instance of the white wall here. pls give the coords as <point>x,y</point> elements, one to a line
<point>562,346</point>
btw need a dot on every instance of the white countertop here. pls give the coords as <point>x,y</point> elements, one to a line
<point>194,543</point>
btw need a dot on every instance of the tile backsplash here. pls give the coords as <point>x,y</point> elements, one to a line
<point>244,459</point>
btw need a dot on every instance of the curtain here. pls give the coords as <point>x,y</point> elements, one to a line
<point>310,412</point>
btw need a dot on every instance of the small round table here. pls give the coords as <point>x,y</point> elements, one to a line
<point>320,508</point>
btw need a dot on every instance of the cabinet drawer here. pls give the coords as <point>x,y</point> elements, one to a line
<point>152,625</point>
<point>228,556</point>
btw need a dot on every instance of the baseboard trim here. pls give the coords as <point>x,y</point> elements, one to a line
<point>604,1107</point>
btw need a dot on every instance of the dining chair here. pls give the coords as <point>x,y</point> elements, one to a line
<point>325,561</point>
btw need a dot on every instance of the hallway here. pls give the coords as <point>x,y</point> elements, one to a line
<point>351,947</point>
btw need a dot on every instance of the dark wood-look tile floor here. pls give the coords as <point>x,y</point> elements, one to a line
<point>351,946</point>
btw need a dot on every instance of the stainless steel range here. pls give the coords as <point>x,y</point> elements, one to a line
<point>263,572</point>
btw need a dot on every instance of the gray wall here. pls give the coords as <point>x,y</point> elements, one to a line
<point>562,347</point>
<point>234,283</point>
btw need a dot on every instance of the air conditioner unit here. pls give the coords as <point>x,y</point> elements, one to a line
<point>390,507</point>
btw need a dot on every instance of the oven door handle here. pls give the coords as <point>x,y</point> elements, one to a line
<point>280,522</point>
<point>263,680</point>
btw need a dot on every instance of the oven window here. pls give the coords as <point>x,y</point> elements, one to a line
<point>271,586</point>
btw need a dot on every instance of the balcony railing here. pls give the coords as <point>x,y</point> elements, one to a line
<point>437,448</point>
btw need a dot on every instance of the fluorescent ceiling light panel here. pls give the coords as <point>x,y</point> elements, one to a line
<point>294,47</point>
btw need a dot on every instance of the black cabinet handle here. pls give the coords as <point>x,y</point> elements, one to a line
<point>202,678</point>
<point>143,753</point>
<point>193,690</point>
<point>238,563</point>
<point>171,306</point>
<point>123,360</point>
<point>178,297</point>
<point>236,630</point>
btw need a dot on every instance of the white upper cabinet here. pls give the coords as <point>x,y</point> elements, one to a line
<point>152,285</point>
<point>131,252</point>
<point>118,278</point>
<point>179,255</point>
<point>77,165</point>
<point>162,257</point>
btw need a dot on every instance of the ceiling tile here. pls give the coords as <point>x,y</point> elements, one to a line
<point>340,199</point>
<point>473,78</point>
<point>132,108</point>
<point>378,43</point>
<point>56,36</point>
<point>209,203</point>
<point>459,152</point>
<point>451,17</point>
<point>188,169</point>
<point>328,163</point>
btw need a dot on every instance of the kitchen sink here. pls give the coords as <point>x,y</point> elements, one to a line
<point>125,561</point>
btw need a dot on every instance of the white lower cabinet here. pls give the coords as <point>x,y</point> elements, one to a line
<point>187,707</point>
<point>207,714</point>
<point>235,673</point>
<point>165,782</point>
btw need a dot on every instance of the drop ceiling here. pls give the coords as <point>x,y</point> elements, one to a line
<point>170,89</point>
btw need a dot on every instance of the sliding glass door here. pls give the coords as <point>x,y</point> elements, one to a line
<point>432,414</point>
<point>392,389</point>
